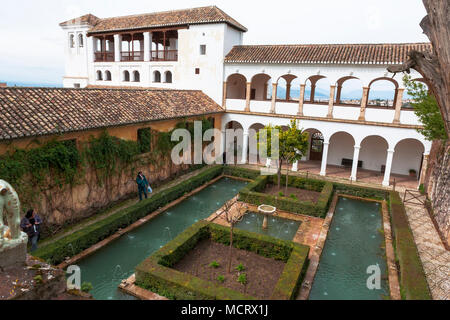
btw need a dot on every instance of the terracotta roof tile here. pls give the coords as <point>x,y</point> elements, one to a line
<point>30,112</point>
<point>325,53</point>
<point>88,19</point>
<point>201,15</point>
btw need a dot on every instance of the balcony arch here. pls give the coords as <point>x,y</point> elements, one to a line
<point>168,77</point>
<point>126,76</point>
<point>383,92</point>
<point>108,76</point>
<point>284,86</point>
<point>236,86</point>
<point>261,87</point>
<point>157,77</point>
<point>349,90</point>
<point>317,89</point>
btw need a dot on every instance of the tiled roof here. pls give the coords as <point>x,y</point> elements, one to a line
<point>88,19</point>
<point>325,53</point>
<point>173,18</point>
<point>30,112</point>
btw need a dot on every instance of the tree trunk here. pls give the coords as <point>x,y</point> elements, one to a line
<point>230,255</point>
<point>287,181</point>
<point>280,164</point>
<point>434,66</point>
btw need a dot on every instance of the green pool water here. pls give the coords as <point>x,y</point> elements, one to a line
<point>109,266</point>
<point>278,228</point>
<point>354,243</point>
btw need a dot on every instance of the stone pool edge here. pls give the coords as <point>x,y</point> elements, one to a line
<point>393,280</point>
<point>84,254</point>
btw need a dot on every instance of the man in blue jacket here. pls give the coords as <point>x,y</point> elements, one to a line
<point>143,184</point>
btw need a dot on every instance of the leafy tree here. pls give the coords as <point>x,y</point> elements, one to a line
<point>427,110</point>
<point>291,147</point>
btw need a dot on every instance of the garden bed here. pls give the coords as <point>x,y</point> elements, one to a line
<point>209,261</point>
<point>293,193</point>
<point>162,272</point>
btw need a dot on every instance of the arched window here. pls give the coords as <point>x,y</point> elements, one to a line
<point>72,41</point>
<point>136,76</point>
<point>157,76</point>
<point>80,40</point>
<point>168,76</point>
<point>108,75</point>
<point>99,76</point>
<point>126,76</point>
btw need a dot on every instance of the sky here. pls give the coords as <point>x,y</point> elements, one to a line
<point>32,51</point>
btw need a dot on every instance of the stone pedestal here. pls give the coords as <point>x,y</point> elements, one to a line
<point>13,252</point>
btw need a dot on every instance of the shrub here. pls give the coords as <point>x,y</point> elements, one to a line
<point>221,279</point>
<point>214,265</point>
<point>240,267</point>
<point>86,287</point>
<point>242,279</point>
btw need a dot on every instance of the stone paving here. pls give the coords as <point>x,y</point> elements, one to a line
<point>435,258</point>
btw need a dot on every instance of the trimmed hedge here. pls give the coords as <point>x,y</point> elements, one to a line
<point>362,192</point>
<point>76,242</point>
<point>413,282</point>
<point>155,274</point>
<point>241,172</point>
<point>253,193</point>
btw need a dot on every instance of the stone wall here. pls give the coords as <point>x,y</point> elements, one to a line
<point>62,206</point>
<point>438,187</point>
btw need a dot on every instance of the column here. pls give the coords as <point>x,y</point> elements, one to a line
<point>274,97</point>
<point>147,45</point>
<point>288,91</point>
<point>338,93</point>
<point>117,47</point>
<point>91,49</point>
<point>224,99</point>
<point>398,105</point>
<point>387,174</point>
<point>365,96</point>
<point>423,172</point>
<point>331,103</point>
<point>295,166</point>
<point>223,145</point>
<point>302,99</point>
<point>247,98</point>
<point>323,169</point>
<point>245,148</point>
<point>354,175</point>
<point>313,92</point>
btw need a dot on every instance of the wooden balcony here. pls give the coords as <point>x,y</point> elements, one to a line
<point>104,56</point>
<point>132,56</point>
<point>164,55</point>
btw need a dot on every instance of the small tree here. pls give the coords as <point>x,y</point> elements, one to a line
<point>234,211</point>
<point>292,145</point>
<point>426,109</point>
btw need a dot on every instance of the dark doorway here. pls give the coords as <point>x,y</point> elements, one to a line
<point>316,151</point>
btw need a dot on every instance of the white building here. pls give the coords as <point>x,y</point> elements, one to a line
<point>202,48</point>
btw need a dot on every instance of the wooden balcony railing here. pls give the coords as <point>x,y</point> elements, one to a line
<point>132,56</point>
<point>104,56</point>
<point>164,55</point>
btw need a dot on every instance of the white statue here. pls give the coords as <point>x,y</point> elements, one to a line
<point>9,203</point>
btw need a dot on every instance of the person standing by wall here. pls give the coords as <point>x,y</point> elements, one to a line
<point>31,225</point>
<point>143,185</point>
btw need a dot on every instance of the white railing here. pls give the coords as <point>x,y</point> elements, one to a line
<point>321,110</point>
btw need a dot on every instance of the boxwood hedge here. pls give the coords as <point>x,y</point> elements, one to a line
<point>413,282</point>
<point>155,273</point>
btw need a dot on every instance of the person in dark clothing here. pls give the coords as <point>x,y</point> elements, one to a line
<point>143,184</point>
<point>31,225</point>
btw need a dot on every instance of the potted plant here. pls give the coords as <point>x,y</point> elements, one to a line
<point>413,173</point>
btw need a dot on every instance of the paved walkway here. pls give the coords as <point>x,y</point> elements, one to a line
<point>121,206</point>
<point>435,258</point>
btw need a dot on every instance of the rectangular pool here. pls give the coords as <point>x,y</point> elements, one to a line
<point>106,268</point>
<point>355,242</point>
